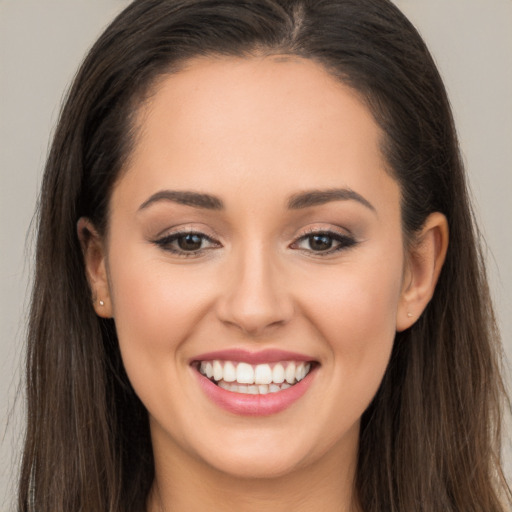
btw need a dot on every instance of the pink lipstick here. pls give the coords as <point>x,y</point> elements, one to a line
<point>254,383</point>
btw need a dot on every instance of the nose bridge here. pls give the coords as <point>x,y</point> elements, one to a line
<point>256,297</point>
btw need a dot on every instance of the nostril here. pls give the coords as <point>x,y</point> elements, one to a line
<point>253,316</point>
<point>254,298</point>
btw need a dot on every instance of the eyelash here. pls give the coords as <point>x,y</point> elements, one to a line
<point>166,243</point>
<point>344,242</point>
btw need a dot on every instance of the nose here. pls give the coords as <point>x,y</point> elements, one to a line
<point>254,297</point>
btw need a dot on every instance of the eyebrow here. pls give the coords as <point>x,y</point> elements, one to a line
<point>186,198</point>
<point>297,201</point>
<point>319,197</point>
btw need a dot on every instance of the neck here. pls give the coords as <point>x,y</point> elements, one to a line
<point>187,484</point>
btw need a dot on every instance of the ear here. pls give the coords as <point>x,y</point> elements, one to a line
<point>93,249</point>
<point>422,268</point>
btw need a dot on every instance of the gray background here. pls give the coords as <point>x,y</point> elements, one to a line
<point>41,45</point>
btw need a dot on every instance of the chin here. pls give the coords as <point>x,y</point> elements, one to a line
<point>257,466</point>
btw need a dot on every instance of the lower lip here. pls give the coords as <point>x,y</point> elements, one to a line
<point>255,405</point>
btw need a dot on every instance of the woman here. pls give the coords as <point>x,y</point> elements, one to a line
<point>258,282</point>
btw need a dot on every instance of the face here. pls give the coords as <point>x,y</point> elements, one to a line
<point>255,265</point>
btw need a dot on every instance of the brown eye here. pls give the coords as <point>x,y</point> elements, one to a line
<point>190,242</point>
<point>324,243</point>
<point>320,242</point>
<point>187,244</point>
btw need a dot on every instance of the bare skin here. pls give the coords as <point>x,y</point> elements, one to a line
<point>308,489</point>
<point>328,278</point>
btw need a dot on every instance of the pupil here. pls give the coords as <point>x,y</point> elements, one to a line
<point>320,242</point>
<point>190,242</point>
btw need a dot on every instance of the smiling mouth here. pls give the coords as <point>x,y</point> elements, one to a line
<point>258,379</point>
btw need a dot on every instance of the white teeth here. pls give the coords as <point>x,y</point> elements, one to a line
<point>244,373</point>
<point>253,390</point>
<point>290,373</point>
<point>278,374</point>
<point>254,379</point>
<point>217,371</point>
<point>263,374</point>
<point>229,372</point>
<point>300,372</point>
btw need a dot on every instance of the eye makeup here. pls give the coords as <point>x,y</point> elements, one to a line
<point>187,243</point>
<point>324,242</point>
<point>320,242</point>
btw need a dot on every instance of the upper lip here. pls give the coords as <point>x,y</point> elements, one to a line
<point>245,356</point>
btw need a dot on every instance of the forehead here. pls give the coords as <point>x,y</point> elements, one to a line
<point>273,121</point>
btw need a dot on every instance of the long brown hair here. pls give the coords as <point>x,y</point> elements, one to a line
<point>430,439</point>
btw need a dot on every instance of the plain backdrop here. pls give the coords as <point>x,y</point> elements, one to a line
<point>41,45</point>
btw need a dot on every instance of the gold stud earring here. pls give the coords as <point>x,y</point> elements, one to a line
<point>408,314</point>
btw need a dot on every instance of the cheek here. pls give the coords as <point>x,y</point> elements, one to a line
<point>156,308</point>
<point>354,301</point>
<point>355,310</point>
<point>358,320</point>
